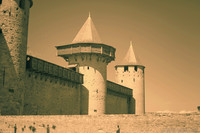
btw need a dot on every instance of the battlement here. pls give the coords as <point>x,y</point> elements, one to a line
<point>20,2</point>
<point>114,87</point>
<point>31,3</point>
<point>86,48</point>
<point>47,68</point>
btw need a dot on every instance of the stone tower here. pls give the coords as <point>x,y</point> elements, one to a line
<point>92,57</point>
<point>14,16</point>
<point>130,73</point>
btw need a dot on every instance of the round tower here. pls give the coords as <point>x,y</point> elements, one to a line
<point>130,73</point>
<point>14,16</point>
<point>92,58</point>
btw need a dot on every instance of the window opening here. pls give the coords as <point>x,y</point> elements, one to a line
<point>22,4</point>
<point>88,68</point>
<point>121,81</point>
<point>11,90</point>
<point>136,68</point>
<point>0,1</point>
<point>125,68</point>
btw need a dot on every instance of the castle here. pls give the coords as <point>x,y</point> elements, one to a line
<point>31,86</point>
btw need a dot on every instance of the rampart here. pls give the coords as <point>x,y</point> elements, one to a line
<point>149,123</point>
<point>51,89</point>
<point>54,90</point>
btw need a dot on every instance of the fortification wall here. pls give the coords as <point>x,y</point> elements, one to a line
<point>118,100</point>
<point>46,95</point>
<point>149,123</point>
<point>51,89</point>
<point>116,104</point>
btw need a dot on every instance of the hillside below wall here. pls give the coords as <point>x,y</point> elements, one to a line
<point>149,123</point>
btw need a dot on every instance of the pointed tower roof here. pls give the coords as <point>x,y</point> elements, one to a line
<point>87,33</point>
<point>131,58</point>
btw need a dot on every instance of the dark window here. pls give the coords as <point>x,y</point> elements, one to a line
<point>88,68</point>
<point>122,81</point>
<point>22,4</point>
<point>0,1</point>
<point>11,90</point>
<point>136,68</point>
<point>95,110</point>
<point>73,68</point>
<point>0,31</point>
<point>125,68</point>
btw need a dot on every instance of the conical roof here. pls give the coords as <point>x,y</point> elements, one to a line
<point>131,58</point>
<point>87,33</point>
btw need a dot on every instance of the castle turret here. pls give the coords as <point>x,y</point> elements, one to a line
<point>130,73</point>
<point>14,16</point>
<point>92,58</point>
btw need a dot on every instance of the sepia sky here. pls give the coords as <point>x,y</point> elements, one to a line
<point>165,34</point>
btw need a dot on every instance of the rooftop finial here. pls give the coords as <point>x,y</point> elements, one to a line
<point>131,43</point>
<point>89,15</point>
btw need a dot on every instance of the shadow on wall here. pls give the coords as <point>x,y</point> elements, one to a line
<point>132,106</point>
<point>9,95</point>
<point>84,101</point>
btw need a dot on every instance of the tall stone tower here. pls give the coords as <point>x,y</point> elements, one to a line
<point>92,57</point>
<point>130,73</point>
<point>14,16</point>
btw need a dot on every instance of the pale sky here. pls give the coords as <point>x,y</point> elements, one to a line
<point>165,35</point>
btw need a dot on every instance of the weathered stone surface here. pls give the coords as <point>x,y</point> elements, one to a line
<point>13,45</point>
<point>149,123</point>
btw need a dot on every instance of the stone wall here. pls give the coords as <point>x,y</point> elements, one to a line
<point>13,45</point>
<point>149,123</point>
<point>46,95</point>
<point>51,89</point>
<point>119,99</point>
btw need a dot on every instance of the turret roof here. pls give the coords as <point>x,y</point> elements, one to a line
<point>131,58</point>
<point>87,33</point>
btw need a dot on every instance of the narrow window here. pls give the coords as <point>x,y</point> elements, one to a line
<point>4,75</point>
<point>133,79</point>
<point>121,81</point>
<point>135,68</point>
<point>0,1</point>
<point>0,31</point>
<point>125,68</point>
<point>73,68</point>
<point>88,68</point>
<point>11,90</point>
<point>22,4</point>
